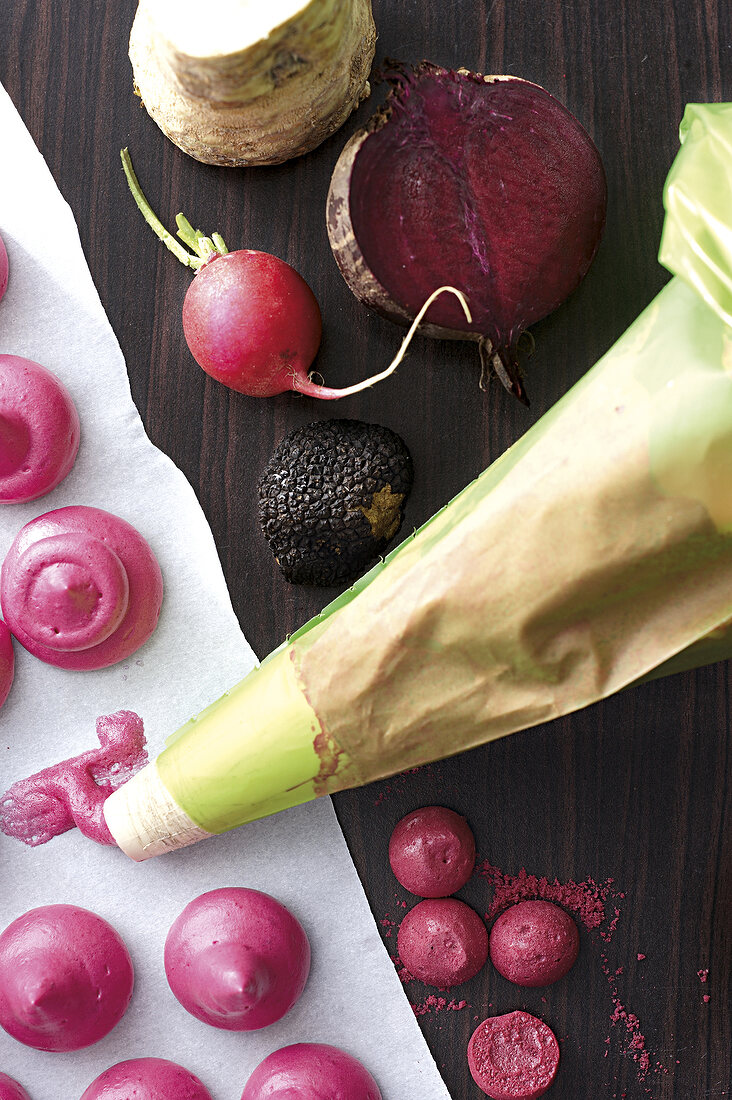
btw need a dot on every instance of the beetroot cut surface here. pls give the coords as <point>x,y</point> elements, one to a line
<point>487,184</point>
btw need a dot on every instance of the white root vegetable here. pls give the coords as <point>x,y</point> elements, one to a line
<point>246,82</point>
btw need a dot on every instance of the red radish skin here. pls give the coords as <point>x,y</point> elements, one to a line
<point>252,323</point>
<point>487,184</point>
<point>249,319</point>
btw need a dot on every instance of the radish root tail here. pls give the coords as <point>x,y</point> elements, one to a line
<point>359,386</point>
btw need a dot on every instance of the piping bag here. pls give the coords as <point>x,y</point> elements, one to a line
<point>593,553</point>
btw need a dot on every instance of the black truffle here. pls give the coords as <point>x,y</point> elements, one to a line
<point>331,499</point>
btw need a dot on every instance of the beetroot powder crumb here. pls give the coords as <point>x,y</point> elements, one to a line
<point>399,782</point>
<point>388,925</point>
<point>703,974</point>
<point>640,957</point>
<point>587,899</point>
<point>706,998</point>
<point>434,1004</point>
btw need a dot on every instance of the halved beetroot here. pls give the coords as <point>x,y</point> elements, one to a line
<point>484,183</point>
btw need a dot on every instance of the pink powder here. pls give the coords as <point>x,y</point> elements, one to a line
<point>72,793</point>
<point>588,900</point>
<point>398,782</point>
<point>702,975</point>
<point>388,925</point>
<point>438,1004</point>
<point>706,998</point>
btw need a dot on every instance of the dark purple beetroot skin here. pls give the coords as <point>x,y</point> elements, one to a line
<point>489,185</point>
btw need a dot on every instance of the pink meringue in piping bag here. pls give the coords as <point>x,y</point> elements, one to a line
<point>80,588</point>
<point>237,959</point>
<point>65,978</point>
<point>39,430</point>
<point>146,1079</point>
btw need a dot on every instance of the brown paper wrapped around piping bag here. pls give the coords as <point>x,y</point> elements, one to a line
<point>596,551</point>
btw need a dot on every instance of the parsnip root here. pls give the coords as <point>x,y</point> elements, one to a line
<point>242,82</point>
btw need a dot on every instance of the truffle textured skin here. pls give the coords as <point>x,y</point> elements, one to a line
<point>331,498</point>
<point>534,943</point>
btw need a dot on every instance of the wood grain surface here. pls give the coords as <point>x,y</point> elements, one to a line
<point>635,789</point>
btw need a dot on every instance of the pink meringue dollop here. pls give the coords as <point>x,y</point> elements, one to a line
<point>310,1071</point>
<point>146,1079</point>
<point>65,978</point>
<point>81,588</point>
<point>11,1090</point>
<point>39,429</point>
<point>237,959</point>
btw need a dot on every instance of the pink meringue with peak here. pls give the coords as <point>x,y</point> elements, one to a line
<point>81,588</point>
<point>11,1090</point>
<point>237,959</point>
<point>310,1071</point>
<point>65,978</point>
<point>39,430</point>
<point>7,662</point>
<point>146,1079</point>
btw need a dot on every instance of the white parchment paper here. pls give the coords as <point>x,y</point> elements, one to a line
<point>51,313</point>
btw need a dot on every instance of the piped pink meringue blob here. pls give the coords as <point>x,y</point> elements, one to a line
<point>432,852</point>
<point>73,792</point>
<point>39,430</point>
<point>65,978</point>
<point>11,1090</point>
<point>3,280</point>
<point>310,1071</point>
<point>146,1079</point>
<point>7,664</point>
<point>237,959</point>
<point>80,588</point>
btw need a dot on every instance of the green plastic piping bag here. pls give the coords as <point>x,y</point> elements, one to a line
<point>595,552</point>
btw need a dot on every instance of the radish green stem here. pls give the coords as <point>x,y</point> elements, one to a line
<point>203,248</point>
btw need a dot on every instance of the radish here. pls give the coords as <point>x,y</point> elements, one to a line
<point>3,268</point>
<point>249,319</point>
<point>486,183</point>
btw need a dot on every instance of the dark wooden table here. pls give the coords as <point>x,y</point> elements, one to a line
<point>635,789</point>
